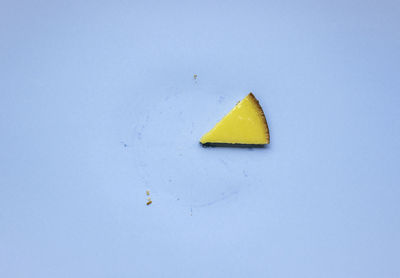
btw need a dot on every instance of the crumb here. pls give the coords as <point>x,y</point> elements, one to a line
<point>147,192</point>
<point>195,77</point>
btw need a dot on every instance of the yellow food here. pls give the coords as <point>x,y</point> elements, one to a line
<point>244,124</point>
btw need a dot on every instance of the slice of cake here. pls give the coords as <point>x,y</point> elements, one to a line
<point>245,124</point>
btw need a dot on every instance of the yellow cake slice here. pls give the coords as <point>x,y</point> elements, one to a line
<point>245,124</point>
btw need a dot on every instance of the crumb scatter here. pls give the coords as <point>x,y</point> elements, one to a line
<point>149,201</point>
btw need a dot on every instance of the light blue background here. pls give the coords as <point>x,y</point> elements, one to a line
<point>98,104</point>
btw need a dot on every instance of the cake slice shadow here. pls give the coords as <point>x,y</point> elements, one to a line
<point>227,145</point>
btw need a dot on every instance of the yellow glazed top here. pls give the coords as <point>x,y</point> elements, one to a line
<point>244,124</point>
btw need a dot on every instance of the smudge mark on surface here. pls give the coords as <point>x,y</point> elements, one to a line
<point>138,131</point>
<point>191,130</point>
<point>220,199</point>
<point>245,173</point>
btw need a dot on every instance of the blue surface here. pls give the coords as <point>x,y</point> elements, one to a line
<point>98,104</point>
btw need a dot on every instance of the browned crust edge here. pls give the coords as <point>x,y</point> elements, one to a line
<point>234,145</point>
<point>257,103</point>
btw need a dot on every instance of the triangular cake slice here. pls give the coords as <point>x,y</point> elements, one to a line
<point>245,124</point>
